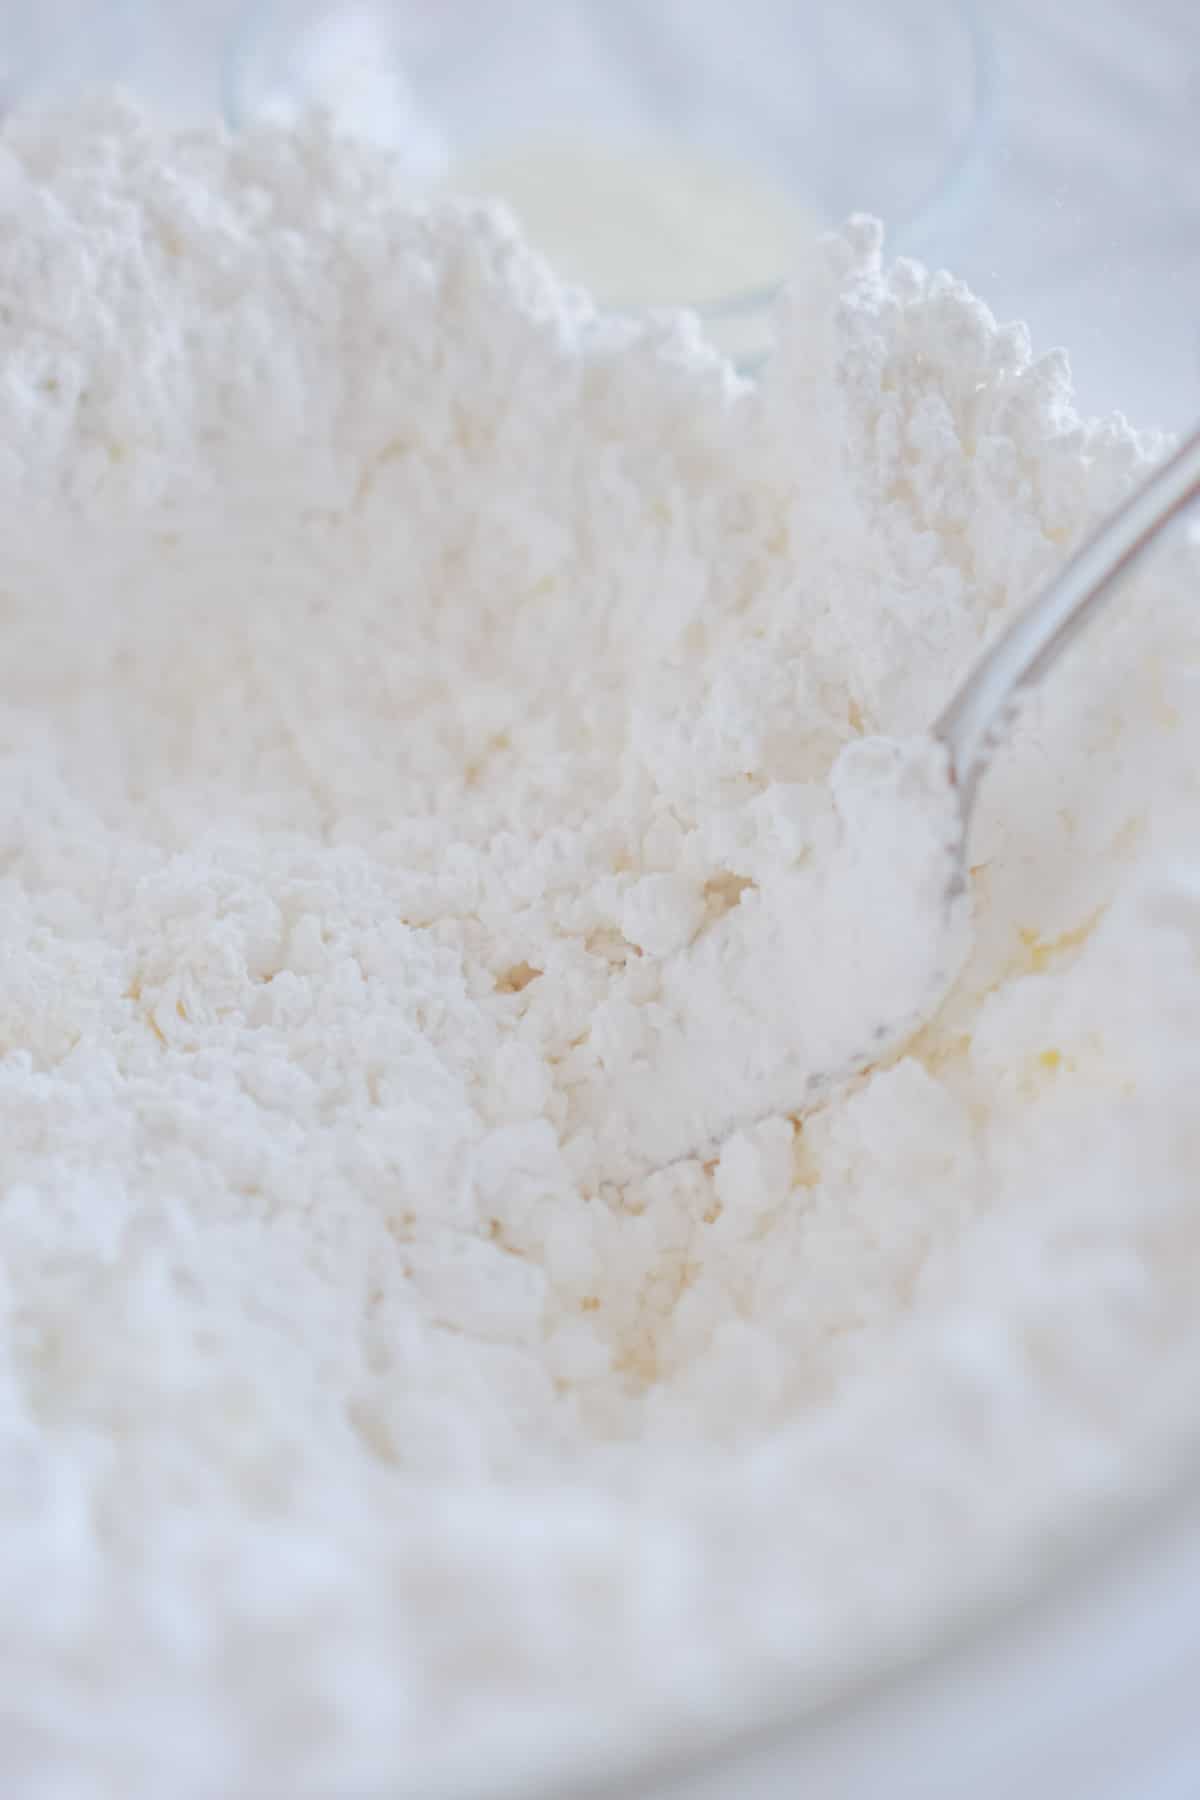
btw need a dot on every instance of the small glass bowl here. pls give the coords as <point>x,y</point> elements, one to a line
<point>662,152</point>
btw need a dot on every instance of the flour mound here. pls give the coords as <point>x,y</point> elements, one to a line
<point>819,967</point>
<point>423,703</point>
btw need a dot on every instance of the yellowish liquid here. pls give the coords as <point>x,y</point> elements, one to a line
<point>649,224</point>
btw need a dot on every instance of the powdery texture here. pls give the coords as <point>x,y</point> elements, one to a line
<point>818,966</point>
<point>403,671</point>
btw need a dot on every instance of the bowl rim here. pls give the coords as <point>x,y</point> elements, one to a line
<point>1004,1615</point>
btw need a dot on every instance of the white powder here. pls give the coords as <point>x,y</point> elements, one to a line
<point>408,681</point>
<point>826,961</point>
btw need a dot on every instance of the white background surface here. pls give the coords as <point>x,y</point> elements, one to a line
<point>1087,220</point>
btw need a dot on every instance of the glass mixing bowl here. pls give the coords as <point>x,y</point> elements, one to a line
<point>1058,177</point>
<point>1079,1685</point>
<point>662,152</point>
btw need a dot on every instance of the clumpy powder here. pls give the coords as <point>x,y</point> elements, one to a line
<point>409,683</point>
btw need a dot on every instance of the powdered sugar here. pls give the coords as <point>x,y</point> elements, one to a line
<point>817,964</point>
<point>407,675</point>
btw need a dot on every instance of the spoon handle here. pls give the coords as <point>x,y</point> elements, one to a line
<point>976,718</point>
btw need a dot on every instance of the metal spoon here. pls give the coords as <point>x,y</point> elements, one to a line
<point>977,719</point>
<point>681,1099</point>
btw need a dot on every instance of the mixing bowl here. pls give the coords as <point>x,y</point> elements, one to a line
<point>1080,1686</point>
<point>1050,159</point>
